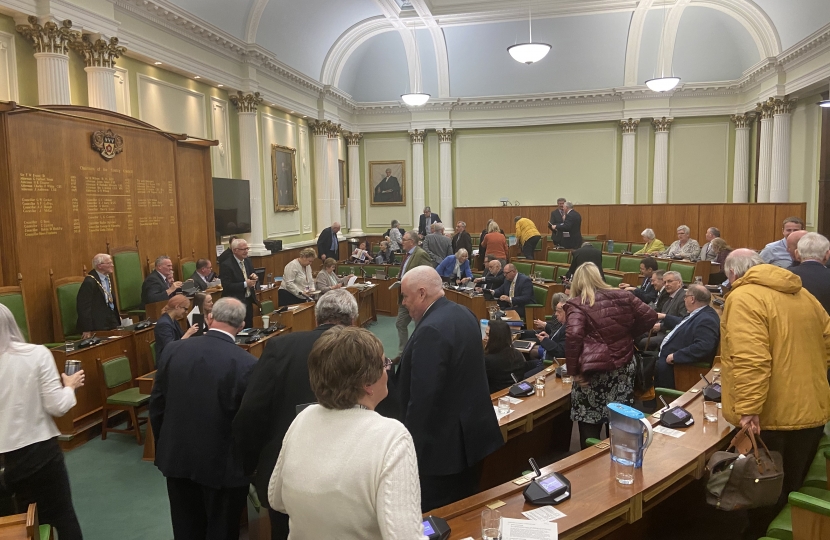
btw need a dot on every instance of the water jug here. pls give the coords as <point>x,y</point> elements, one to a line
<point>609,246</point>
<point>631,434</point>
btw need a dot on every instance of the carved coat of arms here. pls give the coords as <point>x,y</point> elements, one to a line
<point>107,143</point>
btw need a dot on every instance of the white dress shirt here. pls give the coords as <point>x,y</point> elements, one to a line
<point>30,395</point>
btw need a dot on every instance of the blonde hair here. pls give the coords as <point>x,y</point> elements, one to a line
<point>586,282</point>
<point>330,263</point>
<point>493,227</point>
<point>308,253</point>
<point>719,244</point>
<point>176,302</point>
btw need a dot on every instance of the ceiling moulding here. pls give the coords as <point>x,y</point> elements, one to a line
<point>806,49</point>
<point>483,12</point>
<point>84,19</point>
<point>347,43</point>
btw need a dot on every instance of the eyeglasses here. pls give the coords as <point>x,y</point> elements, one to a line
<point>242,249</point>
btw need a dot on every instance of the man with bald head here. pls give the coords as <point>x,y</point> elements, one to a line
<point>96,304</point>
<point>776,252</point>
<point>792,246</point>
<point>443,392</point>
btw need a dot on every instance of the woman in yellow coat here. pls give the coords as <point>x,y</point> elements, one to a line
<point>653,245</point>
<point>527,235</point>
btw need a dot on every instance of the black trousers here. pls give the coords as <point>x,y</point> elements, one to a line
<point>199,512</point>
<point>529,247</point>
<point>798,448</point>
<point>279,525</point>
<point>589,431</point>
<point>438,491</point>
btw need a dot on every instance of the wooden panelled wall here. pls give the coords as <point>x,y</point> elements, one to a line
<point>741,225</point>
<point>61,202</point>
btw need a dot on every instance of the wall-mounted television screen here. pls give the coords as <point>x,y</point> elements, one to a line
<point>231,206</point>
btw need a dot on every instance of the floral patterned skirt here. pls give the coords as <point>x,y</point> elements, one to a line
<point>590,403</point>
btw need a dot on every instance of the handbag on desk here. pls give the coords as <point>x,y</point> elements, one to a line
<point>741,481</point>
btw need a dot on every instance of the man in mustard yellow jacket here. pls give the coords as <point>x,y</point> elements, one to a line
<point>775,345</point>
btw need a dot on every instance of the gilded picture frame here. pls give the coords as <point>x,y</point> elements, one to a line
<point>284,178</point>
<point>389,191</point>
<point>344,192</point>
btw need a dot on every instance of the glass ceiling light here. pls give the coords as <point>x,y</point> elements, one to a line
<point>415,99</point>
<point>662,83</point>
<point>528,53</point>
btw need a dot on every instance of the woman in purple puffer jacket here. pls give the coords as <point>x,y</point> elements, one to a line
<point>602,323</point>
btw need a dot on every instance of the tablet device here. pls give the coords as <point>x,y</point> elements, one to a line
<point>522,345</point>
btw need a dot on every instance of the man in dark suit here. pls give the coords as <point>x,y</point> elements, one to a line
<point>237,283</point>
<point>570,228</point>
<point>388,189</point>
<point>194,401</point>
<point>552,340</point>
<point>426,220</point>
<point>673,311</point>
<point>693,339</point>
<point>443,392</point>
<point>813,251</point>
<point>557,216</point>
<point>646,291</point>
<point>413,257</point>
<point>516,292</point>
<point>493,277</point>
<point>328,247</point>
<point>159,285</point>
<point>225,254</point>
<point>95,303</point>
<point>587,253</point>
<point>461,239</point>
<point>278,384</point>
<point>203,274</point>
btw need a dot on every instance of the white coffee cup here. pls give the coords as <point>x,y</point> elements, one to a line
<point>266,320</point>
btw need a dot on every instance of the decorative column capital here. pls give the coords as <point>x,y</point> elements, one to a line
<point>417,136</point>
<point>246,103</point>
<point>630,125</point>
<point>661,125</point>
<point>444,135</point>
<point>49,37</point>
<point>766,109</point>
<point>325,128</point>
<point>334,130</point>
<point>98,53</point>
<point>743,121</point>
<point>782,106</point>
<point>353,139</point>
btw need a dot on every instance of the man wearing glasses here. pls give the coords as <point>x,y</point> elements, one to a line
<point>239,280</point>
<point>674,308</point>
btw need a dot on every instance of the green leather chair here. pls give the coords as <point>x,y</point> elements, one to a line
<point>524,267</point>
<point>540,296</point>
<point>12,298</point>
<point>629,264</point>
<point>393,271</point>
<point>589,237</point>
<point>662,264</point>
<point>669,394</point>
<point>609,262</point>
<point>66,297</point>
<point>686,269</point>
<point>547,272</point>
<point>596,243</point>
<point>375,249</point>
<point>635,247</point>
<point>614,281</point>
<point>129,277</point>
<point>812,499</point>
<point>559,256</point>
<point>188,267</point>
<point>266,307</point>
<point>370,270</point>
<point>115,373</point>
<point>621,247</point>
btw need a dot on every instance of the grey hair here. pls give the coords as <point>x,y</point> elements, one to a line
<point>685,229</point>
<point>161,258</point>
<point>427,209</point>
<point>461,223</point>
<point>740,261</point>
<point>813,246</point>
<point>569,205</point>
<point>648,233</point>
<point>461,252</point>
<point>9,331</point>
<point>438,227</point>
<point>101,258</point>
<point>700,294</point>
<point>673,274</point>
<point>337,306</point>
<point>395,223</point>
<point>235,244</point>
<point>715,231</point>
<point>557,299</point>
<point>229,311</point>
<point>496,260</point>
<point>413,235</point>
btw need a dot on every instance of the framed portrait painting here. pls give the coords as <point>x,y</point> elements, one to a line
<point>344,192</point>
<point>387,183</point>
<point>284,178</point>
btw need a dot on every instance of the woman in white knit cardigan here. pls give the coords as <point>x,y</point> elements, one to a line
<point>345,471</point>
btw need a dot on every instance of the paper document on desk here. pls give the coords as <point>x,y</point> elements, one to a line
<point>543,513</point>
<point>351,281</point>
<point>520,529</point>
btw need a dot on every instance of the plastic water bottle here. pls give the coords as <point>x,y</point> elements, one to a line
<point>609,246</point>
<point>484,323</point>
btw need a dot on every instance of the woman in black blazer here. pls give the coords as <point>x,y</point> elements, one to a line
<point>167,328</point>
<point>501,359</point>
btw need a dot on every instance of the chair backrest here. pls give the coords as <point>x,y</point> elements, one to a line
<point>558,256</point>
<point>609,261</point>
<point>588,237</point>
<point>636,247</point>
<point>186,268</point>
<point>344,270</point>
<point>12,298</point>
<point>475,240</point>
<point>545,271</point>
<point>523,267</point>
<point>540,295</point>
<point>620,247</point>
<point>393,271</point>
<point>153,353</point>
<point>613,280</point>
<point>116,371</point>
<point>375,249</point>
<point>629,264</point>
<point>65,306</point>
<point>662,264</point>
<point>266,307</point>
<point>597,244</point>
<point>686,269</point>
<point>128,277</point>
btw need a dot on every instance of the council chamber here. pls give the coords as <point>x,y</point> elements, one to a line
<point>414,269</point>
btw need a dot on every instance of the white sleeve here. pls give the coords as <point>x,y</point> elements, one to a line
<point>275,484</point>
<point>399,493</point>
<point>54,396</point>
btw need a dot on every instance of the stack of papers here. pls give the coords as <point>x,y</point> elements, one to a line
<point>520,529</point>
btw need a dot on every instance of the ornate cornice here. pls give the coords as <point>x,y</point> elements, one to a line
<point>444,135</point>
<point>98,53</point>
<point>630,125</point>
<point>743,121</point>
<point>661,125</point>
<point>766,109</point>
<point>49,37</point>
<point>782,106</point>
<point>417,136</point>
<point>353,139</point>
<point>246,103</point>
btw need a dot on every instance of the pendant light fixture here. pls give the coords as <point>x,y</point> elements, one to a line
<point>415,99</point>
<point>663,83</point>
<point>530,52</point>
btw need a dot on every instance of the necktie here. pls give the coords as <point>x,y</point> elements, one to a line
<point>244,277</point>
<point>403,263</point>
<point>513,288</point>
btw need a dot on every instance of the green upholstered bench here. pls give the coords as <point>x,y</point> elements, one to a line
<point>614,281</point>
<point>629,264</point>
<point>559,256</point>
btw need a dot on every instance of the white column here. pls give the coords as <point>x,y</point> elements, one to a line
<point>333,169</point>
<point>765,154</point>
<point>321,175</point>
<point>417,138</point>
<point>780,175</point>
<point>445,176</point>
<point>52,79</point>
<point>661,160</point>
<point>629,140</point>
<point>740,185</point>
<point>355,211</point>
<point>246,104</point>
<point>101,87</point>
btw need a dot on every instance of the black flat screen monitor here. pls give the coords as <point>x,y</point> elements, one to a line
<point>231,206</point>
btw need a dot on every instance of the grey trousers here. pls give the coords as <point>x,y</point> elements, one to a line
<point>402,324</point>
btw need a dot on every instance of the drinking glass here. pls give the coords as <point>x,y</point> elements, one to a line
<point>710,411</point>
<point>623,471</point>
<point>566,378</point>
<point>490,524</point>
<point>504,406</point>
<point>70,346</point>
<point>540,382</point>
<point>699,280</point>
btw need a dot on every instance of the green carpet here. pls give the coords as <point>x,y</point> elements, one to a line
<point>116,495</point>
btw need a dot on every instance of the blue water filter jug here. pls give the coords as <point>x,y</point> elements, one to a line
<point>631,434</point>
